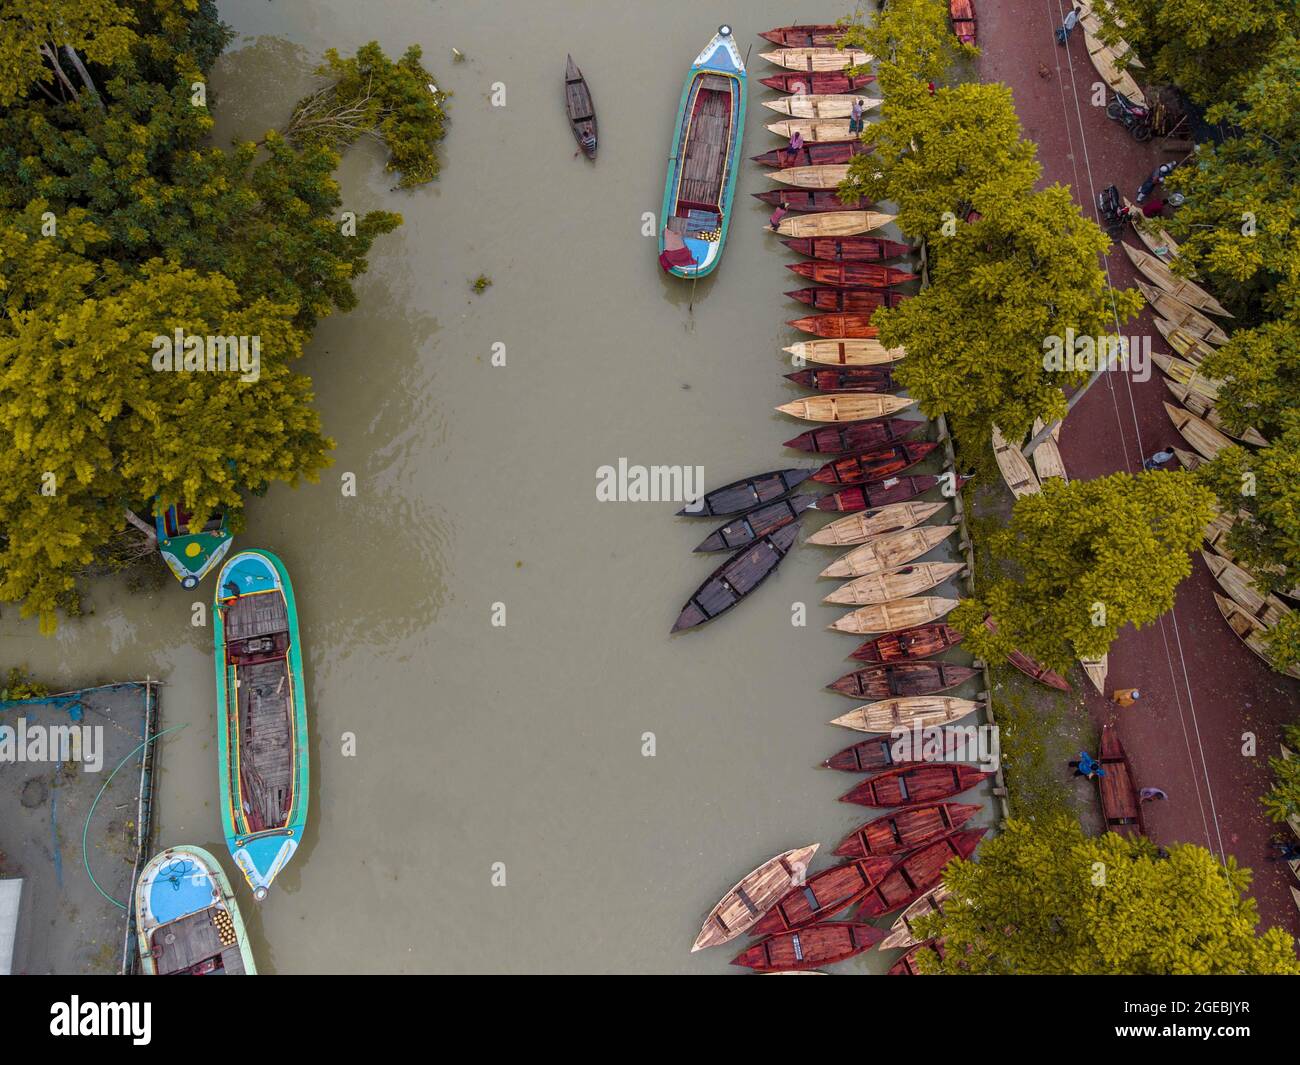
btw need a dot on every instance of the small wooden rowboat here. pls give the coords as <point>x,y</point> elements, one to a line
<point>853,436</point>
<point>1120,805</point>
<point>858,352</point>
<point>832,224</point>
<point>1157,239</point>
<point>1186,373</point>
<point>1204,408</point>
<point>915,785</point>
<point>187,920</point>
<point>824,944</point>
<point>865,525</point>
<point>746,494</point>
<point>1196,431</point>
<point>1268,610</point>
<point>1189,460</point>
<point>580,109</point>
<point>1249,631</point>
<point>852,275</point>
<point>909,645</point>
<point>828,153</point>
<point>828,176</point>
<point>876,464</point>
<point>837,326</point>
<point>736,578</point>
<point>962,15</point>
<point>822,896</point>
<point>1176,312</point>
<point>1047,455</point>
<point>756,893</point>
<point>908,965</point>
<point>822,106</point>
<point>1191,294</point>
<point>919,872</point>
<point>1020,478</point>
<point>848,249</point>
<point>893,490</point>
<point>907,712</point>
<point>1191,348</point>
<point>814,35</point>
<point>1096,669</point>
<point>851,407</point>
<point>818,82</point>
<point>812,130</point>
<point>889,552</point>
<point>816,60</point>
<point>1031,667</point>
<point>896,584</point>
<point>894,615</point>
<point>902,933</point>
<point>901,831</point>
<point>760,522</point>
<point>1107,64</point>
<point>901,679</point>
<point>847,300</point>
<point>811,201</point>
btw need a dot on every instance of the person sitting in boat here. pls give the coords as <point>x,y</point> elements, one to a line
<point>588,141</point>
<point>855,115</point>
<point>795,147</point>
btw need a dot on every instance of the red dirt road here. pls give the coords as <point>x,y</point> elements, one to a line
<point>1203,693</point>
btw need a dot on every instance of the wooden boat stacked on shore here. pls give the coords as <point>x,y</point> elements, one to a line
<point>1120,805</point>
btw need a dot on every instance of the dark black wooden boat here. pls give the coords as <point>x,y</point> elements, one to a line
<point>746,494</point>
<point>824,153</point>
<point>757,523</point>
<point>849,300</point>
<point>845,379</point>
<point>736,578</point>
<point>854,436</point>
<point>580,109</point>
<point>875,464</point>
<point>811,200</point>
<point>894,490</point>
<point>900,679</point>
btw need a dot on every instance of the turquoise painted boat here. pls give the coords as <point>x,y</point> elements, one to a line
<point>704,160</point>
<point>186,918</point>
<point>261,716</point>
<point>191,554</point>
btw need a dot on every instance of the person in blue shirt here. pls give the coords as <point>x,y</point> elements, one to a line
<point>1086,767</point>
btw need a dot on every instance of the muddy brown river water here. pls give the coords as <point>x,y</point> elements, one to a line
<point>519,744</point>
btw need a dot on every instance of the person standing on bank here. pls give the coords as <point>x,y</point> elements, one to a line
<point>855,116</point>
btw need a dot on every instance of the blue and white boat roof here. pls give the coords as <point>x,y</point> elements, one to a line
<point>721,54</point>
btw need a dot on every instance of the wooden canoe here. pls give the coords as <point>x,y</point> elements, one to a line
<point>1189,460</point>
<point>840,326</point>
<point>848,249</point>
<point>1196,431</point>
<point>852,275</point>
<point>961,13</point>
<point>818,82</point>
<point>1176,312</point>
<point>736,578</point>
<point>580,109</point>
<point>1119,798</point>
<point>894,615</point>
<point>1096,670</point>
<point>1186,373</point>
<point>901,831</point>
<point>844,379</point>
<point>902,933</point>
<point>814,35</point>
<point>909,645</point>
<point>826,153</point>
<point>1158,271</point>
<point>1020,478</point>
<point>1249,631</point>
<point>1047,455</point>
<point>812,130</point>
<point>1268,610</point>
<point>823,944</point>
<point>915,785</point>
<point>1031,667</point>
<point>1191,348</point>
<point>822,106</point>
<point>853,436</point>
<point>832,224</point>
<point>822,895</point>
<point>896,584</point>
<point>893,490</point>
<point>846,300</point>
<point>746,494</point>
<point>1293,822</point>
<point>907,712</point>
<point>889,552</point>
<point>877,464</point>
<point>851,407</point>
<point>901,679</point>
<point>908,965</point>
<point>811,201</point>
<point>919,872</point>
<point>1107,64</point>
<point>1204,408</point>
<point>817,60</point>
<point>1156,238</point>
<point>753,896</point>
<point>860,527</point>
<point>758,523</point>
<point>861,351</point>
<point>878,753</point>
<point>829,176</point>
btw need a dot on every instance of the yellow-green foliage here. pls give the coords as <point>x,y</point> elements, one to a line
<point>1283,799</point>
<point>32,29</point>
<point>912,38</point>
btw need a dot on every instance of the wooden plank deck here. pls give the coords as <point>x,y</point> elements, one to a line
<point>192,939</point>
<point>260,614</point>
<point>704,153</point>
<point>266,741</point>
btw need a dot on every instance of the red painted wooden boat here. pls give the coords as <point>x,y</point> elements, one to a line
<point>746,494</point>
<point>908,828</point>
<point>907,964</point>
<point>822,895</point>
<point>823,944</point>
<point>918,872</point>
<point>850,300</point>
<point>836,326</point>
<point>811,201</point>
<point>758,523</point>
<point>962,13</point>
<point>893,490</point>
<point>901,679</point>
<point>736,578</point>
<point>822,153</point>
<point>812,35</point>
<point>874,465</point>
<point>915,784</point>
<point>853,436</point>
<point>851,274</point>
<point>908,645</point>
<point>848,249</point>
<point>845,379</point>
<point>1031,667</point>
<point>1120,804</point>
<point>827,82</point>
<point>876,754</point>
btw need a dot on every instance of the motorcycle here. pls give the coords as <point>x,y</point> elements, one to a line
<point>1136,118</point>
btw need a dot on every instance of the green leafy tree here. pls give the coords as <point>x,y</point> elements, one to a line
<point>1260,370</point>
<point>1081,560</point>
<point>34,34</point>
<point>1046,900</point>
<point>912,41</point>
<point>1282,802</point>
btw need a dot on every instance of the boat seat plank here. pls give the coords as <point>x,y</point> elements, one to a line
<point>255,615</point>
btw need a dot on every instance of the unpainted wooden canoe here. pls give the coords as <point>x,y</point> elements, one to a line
<point>828,176</point>
<point>848,249</point>
<point>1020,478</point>
<point>1158,271</point>
<point>895,614</point>
<point>860,300</point>
<point>1092,24</point>
<point>875,464</point>
<point>849,407</point>
<point>902,933</point>
<point>895,584</point>
<point>830,153</point>
<point>894,490</point>
<point>1191,348</point>
<point>812,130</point>
<point>1186,373</point>
<point>906,712</point>
<point>915,785</point>
<point>818,82</point>
<point>865,525</point>
<point>1204,408</point>
<point>1189,460</point>
<point>854,436</point>
<point>832,224</point>
<point>747,493</point>
<point>736,578</point>
<point>860,351</point>
<point>844,378</point>
<point>852,275</point>
<point>899,679</point>
<point>900,831</point>
<point>808,948</point>
<point>1249,631</point>
<point>816,60</point>
<point>1156,238</point>
<point>1107,64</point>
<point>1177,313</point>
<point>1268,610</point>
<point>760,522</point>
<point>889,552</point>
<point>1197,431</point>
<point>1047,455</point>
<point>822,105</point>
<point>753,895</point>
<point>1096,670</point>
<point>808,35</point>
<point>838,326</point>
<point>908,645</point>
